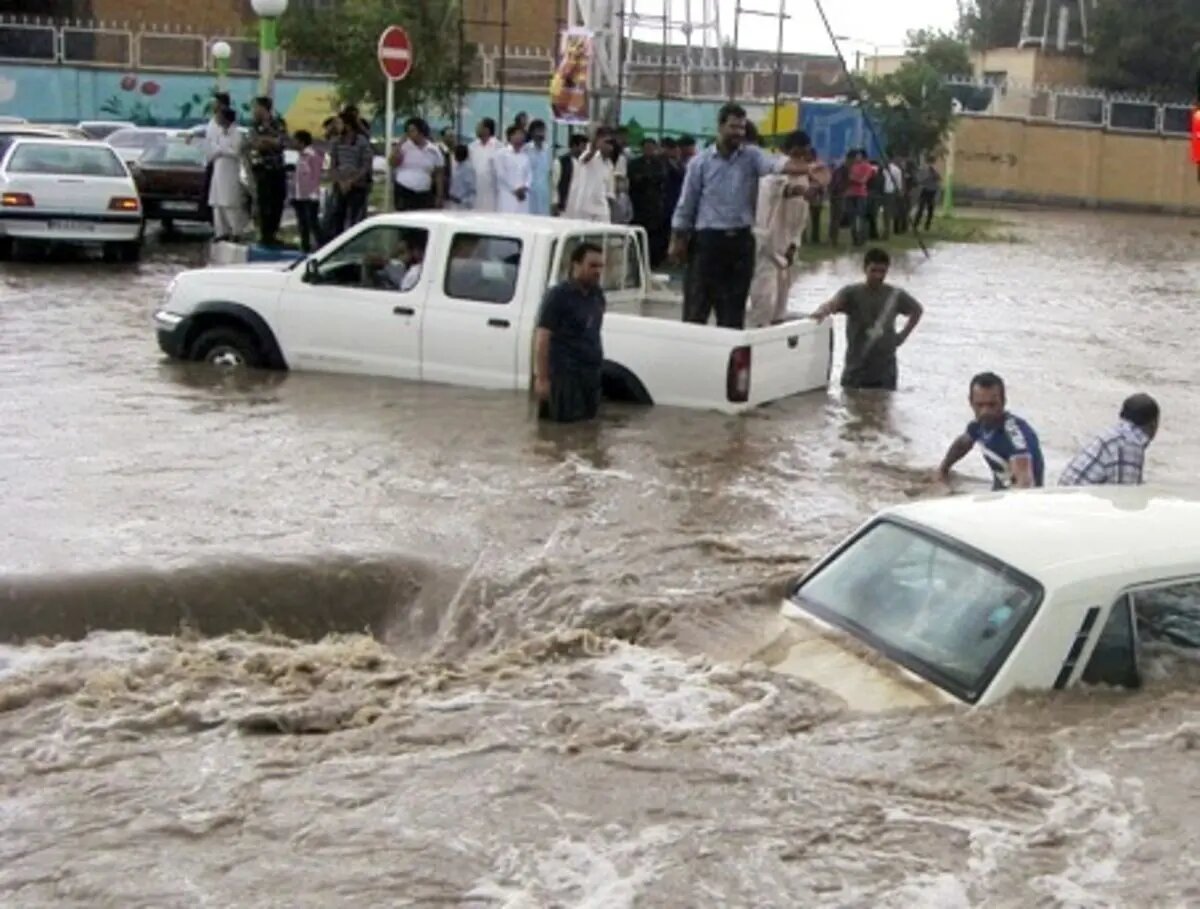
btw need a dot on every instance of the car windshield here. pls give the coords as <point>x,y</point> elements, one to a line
<point>177,153</point>
<point>135,138</point>
<point>944,612</point>
<point>101,130</point>
<point>63,158</point>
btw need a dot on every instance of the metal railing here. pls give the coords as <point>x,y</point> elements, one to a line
<point>1079,106</point>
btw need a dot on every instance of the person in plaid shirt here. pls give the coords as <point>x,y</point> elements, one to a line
<point>1117,456</point>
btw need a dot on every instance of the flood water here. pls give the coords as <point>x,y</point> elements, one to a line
<point>309,641</point>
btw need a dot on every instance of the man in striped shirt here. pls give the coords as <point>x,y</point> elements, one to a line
<point>1117,456</point>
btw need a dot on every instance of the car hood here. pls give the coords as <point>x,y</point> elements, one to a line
<point>807,648</point>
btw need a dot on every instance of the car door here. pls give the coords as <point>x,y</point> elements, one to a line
<point>471,331</point>
<point>345,309</point>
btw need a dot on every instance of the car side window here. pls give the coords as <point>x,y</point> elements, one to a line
<point>387,258</point>
<point>1169,616</point>
<point>622,264</point>
<point>1115,660</point>
<point>483,268</point>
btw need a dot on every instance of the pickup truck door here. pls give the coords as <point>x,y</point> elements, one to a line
<point>471,330</point>
<point>353,309</point>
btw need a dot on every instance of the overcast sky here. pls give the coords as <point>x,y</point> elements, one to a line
<point>882,22</point>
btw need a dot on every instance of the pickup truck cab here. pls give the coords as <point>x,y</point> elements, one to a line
<point>967,599</point>
<point>468,315</point>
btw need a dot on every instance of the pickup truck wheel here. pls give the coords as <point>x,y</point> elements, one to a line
<point>227,348</point>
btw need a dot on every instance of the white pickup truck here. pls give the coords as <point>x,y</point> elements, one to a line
<point>469,319</point>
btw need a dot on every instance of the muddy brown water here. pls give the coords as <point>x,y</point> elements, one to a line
<point>312,641</point>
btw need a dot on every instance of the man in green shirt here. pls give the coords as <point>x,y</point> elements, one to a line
<point>871,310</point>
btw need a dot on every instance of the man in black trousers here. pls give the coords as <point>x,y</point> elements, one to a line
<point>713,223</point>
<point>267,137</point>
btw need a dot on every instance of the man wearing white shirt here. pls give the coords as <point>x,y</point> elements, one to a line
<point>514,175</point>
<point>481,155</point>
<point>587,199</point>
<point>893,193</point>
<point>419,179</point>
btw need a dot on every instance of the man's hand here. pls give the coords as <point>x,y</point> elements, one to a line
<point>541,388</point>
<point>820,314</point>
<point>678,250</point>
<point>522,194</point>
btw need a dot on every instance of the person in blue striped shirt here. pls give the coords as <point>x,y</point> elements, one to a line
<point>1008,444</point>
<point>712,228</point>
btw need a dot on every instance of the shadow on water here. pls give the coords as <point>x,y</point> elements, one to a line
<point>305,599</point>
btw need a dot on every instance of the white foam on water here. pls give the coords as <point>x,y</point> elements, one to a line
<point>592,873</point>
<point>107,646</point>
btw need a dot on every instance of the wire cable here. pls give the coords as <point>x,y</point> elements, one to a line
<point>862,107</point>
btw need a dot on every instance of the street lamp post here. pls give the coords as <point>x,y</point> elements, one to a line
<point>268,12</point>
<point>221,52</point>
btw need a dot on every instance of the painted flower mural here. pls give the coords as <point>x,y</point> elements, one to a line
<point>133,103</point>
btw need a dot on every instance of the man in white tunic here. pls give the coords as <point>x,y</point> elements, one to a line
<point>780,221</point>
<point>587,199</point>
<point>225,193</point>
<point>514,175</point>
<point>481,155</point>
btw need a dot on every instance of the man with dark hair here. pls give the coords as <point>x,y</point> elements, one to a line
<point>418,169</point>
<point>541,162</point>
<point>483,152</point>
<point>514,174</point>
<point>674,178</point>
<point>564,170</point>
<point>267,137</point>
<point>1117,456</point>
<point>1008,444</point>
<point>871,309</point>
<point>647,192</point>
<point>782,217</point>
<point>714,219</point>
<point>569,354</point>
<point>687,148</point>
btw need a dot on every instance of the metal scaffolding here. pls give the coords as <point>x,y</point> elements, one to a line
<point>1058,24</point>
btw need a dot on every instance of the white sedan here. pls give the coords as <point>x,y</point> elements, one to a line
<point>131,144</point>
<point>968,599</point>
<point>69,191</point>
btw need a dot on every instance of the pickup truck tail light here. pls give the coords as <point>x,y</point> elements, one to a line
<point>737,379</point>
<point>16,200</point>
<point>124,203</point>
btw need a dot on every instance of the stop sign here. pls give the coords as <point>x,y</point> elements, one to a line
<point>395,53</point>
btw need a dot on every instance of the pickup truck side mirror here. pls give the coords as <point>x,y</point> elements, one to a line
<point>312,271</point>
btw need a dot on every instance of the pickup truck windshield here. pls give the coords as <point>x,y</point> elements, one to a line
<point>943,612</point>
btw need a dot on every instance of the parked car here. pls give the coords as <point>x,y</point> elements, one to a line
<point>102,129</point>
<point>69,191</point>
<point>470,318</point>
<point>131,144</point>
<point>15,121</point>
<point>171,181</point>
<point>967,599</point>
<point>9,133</point>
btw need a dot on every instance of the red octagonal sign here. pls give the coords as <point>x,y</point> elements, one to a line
<point>395,53</point>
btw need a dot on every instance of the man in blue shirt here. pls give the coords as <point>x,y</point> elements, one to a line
<point>1008,444</point>
<point>713,222</point>
<point>568,349</point>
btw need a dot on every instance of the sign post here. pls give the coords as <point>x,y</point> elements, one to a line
<point>395,59</point>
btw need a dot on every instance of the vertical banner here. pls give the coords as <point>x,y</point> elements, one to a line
<point>569,84</point>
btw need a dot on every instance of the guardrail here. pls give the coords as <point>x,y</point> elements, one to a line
<point>1081,107</point>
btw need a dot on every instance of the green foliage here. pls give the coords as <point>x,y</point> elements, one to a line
<point>1146,47</point>
<point>913,106</point>
<point>345,37</point>
<point>987,24</point>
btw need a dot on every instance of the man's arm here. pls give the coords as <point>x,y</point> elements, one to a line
<point>914,311</point>
<point>439,186</point>
<point>541,359</point>
<point>1022,470</point>
<point>683,222</point>
<point>959,449</point>
<point>833,306</point>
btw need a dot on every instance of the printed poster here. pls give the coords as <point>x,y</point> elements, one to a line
<point>569,84</point>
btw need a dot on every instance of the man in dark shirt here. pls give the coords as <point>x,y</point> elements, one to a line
<point>647,192</point>
<point>1008,444</point>
<point>568,353</point>
<point>267,136</point>
<point>871,309</point>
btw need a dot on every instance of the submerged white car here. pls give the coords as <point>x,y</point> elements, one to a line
<point>968,599</point>
<point>68,191</point>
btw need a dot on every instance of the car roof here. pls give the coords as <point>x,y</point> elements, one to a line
<point>1070,534</point>
<point>60,140</point>
<point>503,223</point>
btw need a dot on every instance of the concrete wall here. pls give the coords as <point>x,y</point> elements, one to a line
<point>1013,160</point>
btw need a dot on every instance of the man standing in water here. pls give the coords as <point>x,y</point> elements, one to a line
<point>1009,444</point>
<point>871,309</point>
<point>568,352</point>
<point>1117,456</point>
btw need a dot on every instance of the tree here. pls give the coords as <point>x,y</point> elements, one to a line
<point>344,39</point>
<point>1146,47</point>
<point>987,24</point>
<point>913,106</point>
